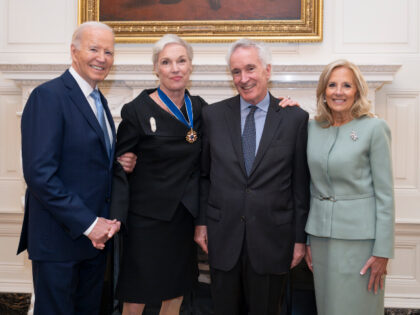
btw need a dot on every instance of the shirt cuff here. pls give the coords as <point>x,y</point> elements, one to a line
<point>90,228</point>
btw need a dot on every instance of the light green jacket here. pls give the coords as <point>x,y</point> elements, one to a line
<point>351,183</point>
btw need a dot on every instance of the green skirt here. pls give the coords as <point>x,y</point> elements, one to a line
<point>339,287</point>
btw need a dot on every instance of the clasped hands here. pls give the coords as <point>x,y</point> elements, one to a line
<point>103,230</point>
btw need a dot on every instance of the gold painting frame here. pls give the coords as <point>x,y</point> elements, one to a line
<point>306,29</point>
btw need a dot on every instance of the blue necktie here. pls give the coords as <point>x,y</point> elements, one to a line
<point>101,118</point>
<point>249,139</point>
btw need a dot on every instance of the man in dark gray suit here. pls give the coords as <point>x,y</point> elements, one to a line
<point>254,189</point>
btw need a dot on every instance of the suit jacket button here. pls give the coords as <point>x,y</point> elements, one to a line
<point>243,218</point>
<point>248,190</point>
<point>107,200</point>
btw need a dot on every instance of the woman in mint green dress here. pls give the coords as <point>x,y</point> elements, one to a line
<point>351,220</point>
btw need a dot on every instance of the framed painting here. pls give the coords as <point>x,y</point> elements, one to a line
<point>211,21</point>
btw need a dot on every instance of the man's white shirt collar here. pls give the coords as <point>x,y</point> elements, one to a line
<point>87,90</point>
<point>84,86</point>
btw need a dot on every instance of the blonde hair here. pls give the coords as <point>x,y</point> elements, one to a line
<point>361,106</point>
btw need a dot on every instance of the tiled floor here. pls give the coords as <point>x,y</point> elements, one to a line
<point>14,303</point>
<point>402,311</point>
<point>18,304</point>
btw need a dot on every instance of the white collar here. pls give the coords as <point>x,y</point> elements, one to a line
<point>84,86</point>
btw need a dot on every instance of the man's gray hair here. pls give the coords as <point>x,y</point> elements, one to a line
<point>264,53</point>
<point>78,33</point>
<point>170,39</point>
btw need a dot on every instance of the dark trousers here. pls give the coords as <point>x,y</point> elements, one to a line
<point>243,291</point>
<point>70,287</point>
<point>300,293</point>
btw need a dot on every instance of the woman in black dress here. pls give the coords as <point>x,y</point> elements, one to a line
<point>161,126</point>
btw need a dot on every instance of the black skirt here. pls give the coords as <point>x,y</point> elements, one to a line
<point>159,259</point>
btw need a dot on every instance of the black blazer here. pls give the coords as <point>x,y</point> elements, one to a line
<point>167,170</point>
<point>269,208</point>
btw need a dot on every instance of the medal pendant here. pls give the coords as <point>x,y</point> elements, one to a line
<point>191,136</point>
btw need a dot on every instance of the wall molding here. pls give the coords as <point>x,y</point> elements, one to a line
<point>212,82</point>
<point>281,74</point>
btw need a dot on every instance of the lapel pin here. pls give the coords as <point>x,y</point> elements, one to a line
<point>152,124</point>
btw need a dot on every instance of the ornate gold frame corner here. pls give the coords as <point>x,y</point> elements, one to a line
<point>306,29</point>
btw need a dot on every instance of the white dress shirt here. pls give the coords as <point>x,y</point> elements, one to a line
<point>87,90</point>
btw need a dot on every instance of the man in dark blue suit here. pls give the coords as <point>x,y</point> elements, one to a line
<point>68,138</point>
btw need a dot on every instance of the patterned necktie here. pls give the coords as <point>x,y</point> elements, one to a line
<point>101,118</point>
<point>249,139</point>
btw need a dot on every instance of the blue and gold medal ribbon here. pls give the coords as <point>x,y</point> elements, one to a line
<point>176,111</point>
<point>191,136</point>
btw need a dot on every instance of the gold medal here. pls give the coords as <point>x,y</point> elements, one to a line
<point>191,136</point>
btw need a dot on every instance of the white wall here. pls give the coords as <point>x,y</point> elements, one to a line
<point>374,32</point>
